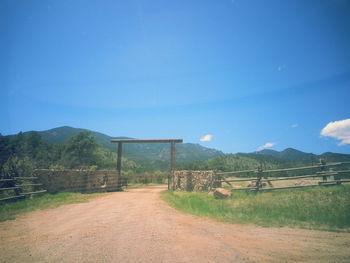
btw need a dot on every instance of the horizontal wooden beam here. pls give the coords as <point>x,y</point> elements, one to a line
<point>244,188</point>
<point>25,178</point>
<point>21,185</point>
<point>11,197</point>
<point>291,177</point>
<point>6,180</point>
<point>147,140</point>
<point>9,188</point>
<point>291,169</point>
<point>237,172</point>
<point>32,193</point>
<point>239,180</point>
<point>287,187</point>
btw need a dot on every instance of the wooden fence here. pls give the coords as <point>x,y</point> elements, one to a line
<point>19,187</point>
<point>261,179</point>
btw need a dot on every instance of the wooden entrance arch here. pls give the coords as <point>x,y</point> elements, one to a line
<point>172,152</point>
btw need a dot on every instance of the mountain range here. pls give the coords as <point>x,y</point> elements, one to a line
<point>185,152</point>
<point>291,154</point>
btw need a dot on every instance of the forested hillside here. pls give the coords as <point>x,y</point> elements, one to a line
<point>22,153</point>
<point>242,161</point>
<point>70,148</point>
<point>139,152</point>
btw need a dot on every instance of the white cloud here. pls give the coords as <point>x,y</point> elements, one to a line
<point>266,145</point>
<point>295,125</point>
<point>206,138</point>
<point>339,130</point>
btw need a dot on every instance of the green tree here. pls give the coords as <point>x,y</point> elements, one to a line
<point>18,167</point>
<point>80,151</point>
<point>32,143</point>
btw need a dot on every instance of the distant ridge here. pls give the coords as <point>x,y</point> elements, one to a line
<point>291,154</point>
<point>186,152</point>
<point>62,134</point>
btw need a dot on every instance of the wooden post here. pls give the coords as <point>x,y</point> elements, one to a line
<point>172,165</point>
<point>258,179</point>
<point>119,162</point>
<point>172,153</point>
<point>323,169</point>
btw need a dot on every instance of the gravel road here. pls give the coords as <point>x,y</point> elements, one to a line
<point>136,226</point>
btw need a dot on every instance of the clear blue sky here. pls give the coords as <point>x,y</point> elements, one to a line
<point>246,72</point>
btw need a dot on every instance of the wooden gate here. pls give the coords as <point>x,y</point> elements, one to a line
<point>172,153</point>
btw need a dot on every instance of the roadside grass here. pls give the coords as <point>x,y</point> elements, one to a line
<point>322,208</point>
<point>134,186</point>
<point>11,210</point>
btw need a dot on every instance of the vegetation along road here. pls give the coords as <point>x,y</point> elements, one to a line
<point>137,226</point>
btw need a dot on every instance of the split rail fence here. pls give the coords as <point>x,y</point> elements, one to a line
<point>262,179</point>
<point>19,187</point>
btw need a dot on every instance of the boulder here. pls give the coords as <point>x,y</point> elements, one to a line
<point>221,193</point>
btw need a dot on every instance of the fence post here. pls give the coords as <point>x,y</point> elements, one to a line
<point>172,166</point>
<point>119,163</point>
<point>323,169</point>
<point>259,176</point>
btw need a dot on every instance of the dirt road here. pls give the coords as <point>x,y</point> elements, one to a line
<point>136,226</point>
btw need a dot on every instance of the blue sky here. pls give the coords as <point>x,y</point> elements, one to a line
<point>248,73</point>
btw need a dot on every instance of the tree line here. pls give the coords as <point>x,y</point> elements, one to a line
<point>81,151</point>
<point>22,153</point>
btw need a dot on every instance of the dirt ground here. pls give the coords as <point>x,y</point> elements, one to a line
<point>136,226</point>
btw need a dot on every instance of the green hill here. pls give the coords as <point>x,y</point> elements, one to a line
<point>289,154</point>
<point>185,152</point>
<point>156,156</point>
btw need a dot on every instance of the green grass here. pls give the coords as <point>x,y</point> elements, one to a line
<point>323,208</point>
<point>12,209</point>
<point>134,186</point>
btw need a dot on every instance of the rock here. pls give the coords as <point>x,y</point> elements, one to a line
<point>221,193</point>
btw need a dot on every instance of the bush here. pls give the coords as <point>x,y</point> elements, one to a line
<point>17,167</point>
<point>158,177</point>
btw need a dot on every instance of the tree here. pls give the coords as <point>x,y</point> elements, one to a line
<point>5,150</point>
<point>32,143</point>
<point>17,167</point>
<point>80,151</point>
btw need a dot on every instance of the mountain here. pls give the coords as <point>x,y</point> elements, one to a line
<point>62,134</point>
<point>291,154</point>
<point>335,157</point>
<point>296,155</point>
<point>268,152</point>
<point>246,161</point>
<point>158,154</point>
<point>185,152</point>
